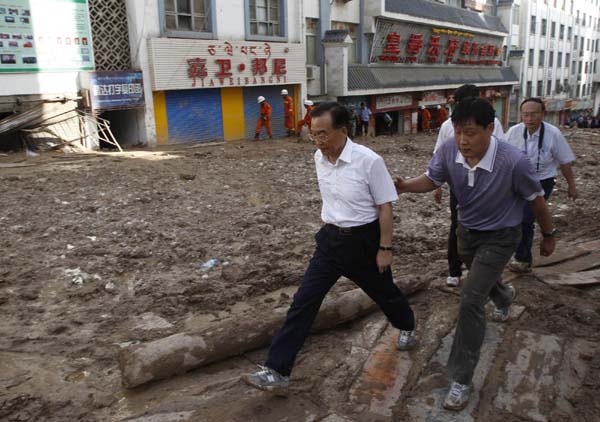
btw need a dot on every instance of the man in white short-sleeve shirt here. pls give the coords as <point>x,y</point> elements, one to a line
<point>355,242</point>
<point>547,151</point>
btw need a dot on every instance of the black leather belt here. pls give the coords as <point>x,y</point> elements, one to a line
<point>347,231</point>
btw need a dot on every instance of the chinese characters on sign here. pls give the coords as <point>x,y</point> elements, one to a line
<point>237,65</point>
<point>402,44</point>
<point>116,90</point>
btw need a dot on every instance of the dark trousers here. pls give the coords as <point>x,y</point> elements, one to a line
<point>336,255</point>
<point>454,262</point>
<point>523,252</point>
<point>485,254</point>
<point>364,127</point>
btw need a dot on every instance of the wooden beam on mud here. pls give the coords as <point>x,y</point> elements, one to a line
<point>182,352</point>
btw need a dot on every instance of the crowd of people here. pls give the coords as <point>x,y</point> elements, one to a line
<point>499,184</point>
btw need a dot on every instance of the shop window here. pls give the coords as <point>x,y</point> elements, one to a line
<point>265,20</point>
<point>188,18</point>
<point>312,30</point>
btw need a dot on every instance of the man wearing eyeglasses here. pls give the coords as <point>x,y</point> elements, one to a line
<point>355,242</point>
<point>547,150</point>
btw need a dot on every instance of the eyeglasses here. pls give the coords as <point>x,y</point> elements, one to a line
<point>531,114</point>
<point>321,136</point>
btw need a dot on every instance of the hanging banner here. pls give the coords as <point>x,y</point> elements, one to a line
<point>45,35</point>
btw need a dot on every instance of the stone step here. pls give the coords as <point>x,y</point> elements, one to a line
<point>541,374</point>
<point>426,406</point>
<point>380,384</point>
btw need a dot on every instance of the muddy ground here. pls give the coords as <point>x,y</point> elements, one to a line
<point>103,251</point>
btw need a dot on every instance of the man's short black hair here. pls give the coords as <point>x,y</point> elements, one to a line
<point>533,100</point>
<point>473,109</point>
<point>340,115</point>
<point>465,91</point>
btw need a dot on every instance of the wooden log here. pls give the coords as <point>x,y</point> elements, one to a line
<point>182,352</point>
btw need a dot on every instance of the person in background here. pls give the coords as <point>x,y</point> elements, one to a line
<point>387,119</point>
<point>442,115</point>
<point>364,114</point>
<point>264,119</point>
<point>425,119</point>
<point>307,121</point>
<point>288,112</point>
<point>547,150</point>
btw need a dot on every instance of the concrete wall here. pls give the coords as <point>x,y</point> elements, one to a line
<point>144,23</point>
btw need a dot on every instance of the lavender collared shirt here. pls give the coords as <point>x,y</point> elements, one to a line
<point>491,195</point>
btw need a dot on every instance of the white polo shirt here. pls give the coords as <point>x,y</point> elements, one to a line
<point>447,132</point>
<point>555,149</point>
<point>353,187</point>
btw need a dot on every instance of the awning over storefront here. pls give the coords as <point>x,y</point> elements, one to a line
<point>449,15</point>
<point>372,79</point>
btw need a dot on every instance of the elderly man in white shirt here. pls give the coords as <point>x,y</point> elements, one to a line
<point>547,151</point>
<point>446,134</point>
<point>355,241</point>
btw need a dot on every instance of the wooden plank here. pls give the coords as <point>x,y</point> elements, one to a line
<point>584,278</point>
<point>565,252</point>
<point>587,262</point>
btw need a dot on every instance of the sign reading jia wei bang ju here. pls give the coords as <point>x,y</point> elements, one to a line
<point>392,101</point>
<point>397,42</point>
<point>198,64</point>
<point>235,65</point>
<point>45,35</point>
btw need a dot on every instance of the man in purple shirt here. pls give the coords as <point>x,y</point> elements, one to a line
<point>491,181</point>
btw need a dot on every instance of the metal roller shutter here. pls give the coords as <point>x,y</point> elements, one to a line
<point>252,109</point>
<point>194,115</point>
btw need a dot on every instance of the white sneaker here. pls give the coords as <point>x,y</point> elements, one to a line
<point>453,281</point>
<point>519,267</point>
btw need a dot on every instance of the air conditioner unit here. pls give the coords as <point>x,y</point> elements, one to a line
<point>310,72</point>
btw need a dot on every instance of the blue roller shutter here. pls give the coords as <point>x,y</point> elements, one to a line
<point>252,109</point>
<point>194,115</point>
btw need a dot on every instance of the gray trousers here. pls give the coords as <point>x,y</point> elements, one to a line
<point>485,254</point>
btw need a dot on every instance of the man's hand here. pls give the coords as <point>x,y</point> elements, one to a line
<point>572,192</point>
<point>437,196</point>
<point>384,260</point>
<point>400,184</point>
<point>547,246</point>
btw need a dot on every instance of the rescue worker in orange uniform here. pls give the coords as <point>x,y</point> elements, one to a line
<point>309,106</point>
<point>442,115</point>
<point>288,112</point>
<point>264,119</point>
<point>425,119</point>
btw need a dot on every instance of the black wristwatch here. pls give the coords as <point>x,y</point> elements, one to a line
<point>549,234</point>
<point>386,248</point>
